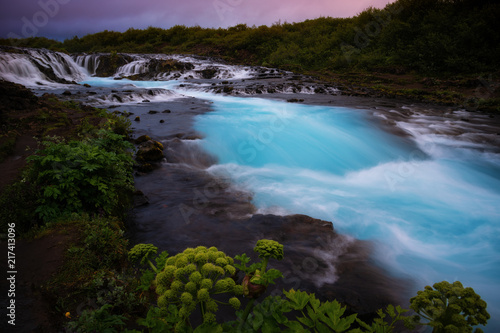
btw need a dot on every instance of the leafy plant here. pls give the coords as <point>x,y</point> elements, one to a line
<point>257,276</point>
<point>449,307</point>
<point>158,320</point>
<point>100,320</point>
<point>382,325</point>
<point>88,175</point>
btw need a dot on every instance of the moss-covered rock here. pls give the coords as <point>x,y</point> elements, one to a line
<point>150,151</point>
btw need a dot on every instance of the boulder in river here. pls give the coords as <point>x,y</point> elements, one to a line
<point>151,151</point>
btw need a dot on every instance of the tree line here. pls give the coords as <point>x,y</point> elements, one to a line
<point>422,36</point>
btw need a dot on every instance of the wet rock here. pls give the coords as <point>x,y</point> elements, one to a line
<point>66,93</point>
<point>146,101</point>
<point>140,199</point>
<point>150,151</point>
<point>208,73</point>
<point>141,139</point>
<point>294,100</point>
<point>86,85</point>
<point>118,98</point>
<point>137,118</point>
<point>167,111</point>
<point>109,63</point>
<point>146,168</point>
<point>152,112</point>
<point>162,121</point>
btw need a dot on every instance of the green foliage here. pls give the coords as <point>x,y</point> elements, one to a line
<point>382,325</point>
<point>158,320</point>
<point>143,253</point>
<point>449,307</point>
<point>88,175</point>
<point>104,244</point>
<point>100,320</point>
<point>315,315</point>
<point>426,36</point>
<point>115,290</point>
<point>190,279</point>
<point>298,312</point>
<point>267,248</point>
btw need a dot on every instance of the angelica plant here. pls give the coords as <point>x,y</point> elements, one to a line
<point>450,307</point>
<point>258,277</point>
<point>190,279</point>
<point>143,253</point>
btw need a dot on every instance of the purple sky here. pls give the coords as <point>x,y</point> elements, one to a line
<point>62,19</point>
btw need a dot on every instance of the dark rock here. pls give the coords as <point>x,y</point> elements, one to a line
<point>162,121</point>
<point>146,101</point>
<point>146,168</point>
<point>140,199</point>
<point>167,111</point>
<point>319,90</point>
<point>86,85</point>
<point>141,139</point>
<point>137,118</point>
<point>118,98</point>
<point>150,151</point>
<point>208,73</point>
<point>152,112</point>
<point>109,63</point>
<point>66,93</point>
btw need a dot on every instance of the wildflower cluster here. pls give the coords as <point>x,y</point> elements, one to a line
<point>190,279</point>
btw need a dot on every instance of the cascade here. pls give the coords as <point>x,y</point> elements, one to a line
<point>32,67</point>
<point>88,61</point>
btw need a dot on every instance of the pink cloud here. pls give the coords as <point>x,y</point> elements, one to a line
<point>65,18</point>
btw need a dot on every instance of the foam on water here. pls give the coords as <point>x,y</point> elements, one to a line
<point>432,204</point>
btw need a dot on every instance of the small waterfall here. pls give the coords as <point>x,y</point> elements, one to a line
<point>139,66</point>
<point>38,66</point>
<point>88,61</point>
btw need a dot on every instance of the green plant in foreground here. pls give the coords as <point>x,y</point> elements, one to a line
<point>450,308</point>
<point>303,312</point>
<point>143,253</point>
<point>100,320</point>
<point>88,175</point>
<point>191,278</point>
<point>257,276</point>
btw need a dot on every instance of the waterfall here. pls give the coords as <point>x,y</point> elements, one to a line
<point>88,61</point>
<point>139,66</point>
<point>32,67</point>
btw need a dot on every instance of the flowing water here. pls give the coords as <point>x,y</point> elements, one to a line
<point>426,192</point>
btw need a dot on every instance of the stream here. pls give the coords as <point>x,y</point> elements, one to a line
<point>412,190</point>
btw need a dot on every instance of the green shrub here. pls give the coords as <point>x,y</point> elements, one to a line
<point>100,320</point>
<point>92,175</point>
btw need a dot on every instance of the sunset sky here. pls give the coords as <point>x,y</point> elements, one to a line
<point>60,19</point>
